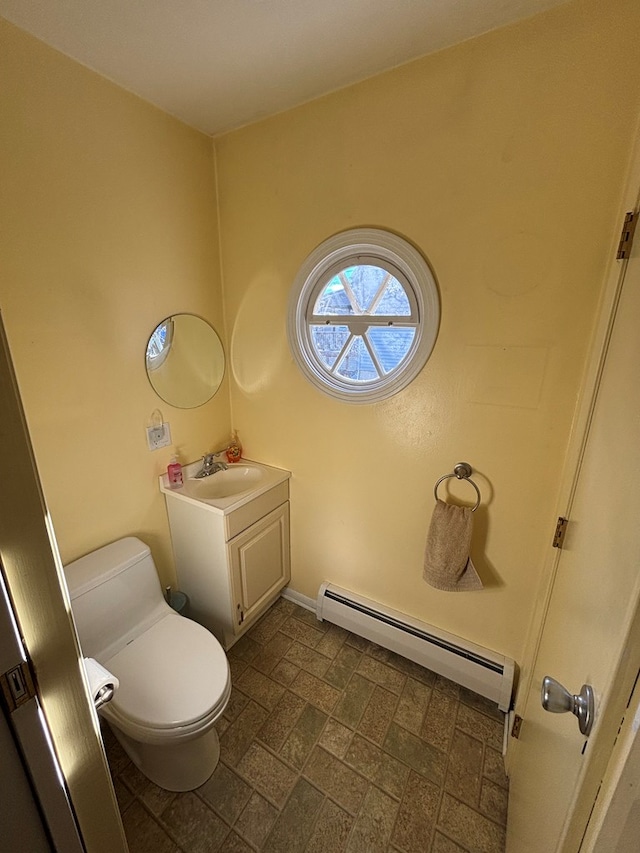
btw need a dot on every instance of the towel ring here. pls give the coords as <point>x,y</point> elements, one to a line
<point>462,471</point>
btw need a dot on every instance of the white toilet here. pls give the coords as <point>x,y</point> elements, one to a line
<point>174,675</point>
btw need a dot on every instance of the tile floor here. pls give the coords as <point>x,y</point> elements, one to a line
<point>330,743</point>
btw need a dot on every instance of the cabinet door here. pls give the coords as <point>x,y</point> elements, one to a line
<point>260,565</point>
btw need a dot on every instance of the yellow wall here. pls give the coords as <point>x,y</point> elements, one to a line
<point>107,225</point>
<point>503,160</point>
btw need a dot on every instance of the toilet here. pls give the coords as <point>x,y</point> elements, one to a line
<point>174,675</point>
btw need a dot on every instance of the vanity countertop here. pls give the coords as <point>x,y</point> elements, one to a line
<point>225,491</point>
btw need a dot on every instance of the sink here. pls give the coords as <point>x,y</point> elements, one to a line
<point>224,484</point>
<point>227,490</point>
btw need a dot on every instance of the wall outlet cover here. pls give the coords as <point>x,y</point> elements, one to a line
<point>158,436</point>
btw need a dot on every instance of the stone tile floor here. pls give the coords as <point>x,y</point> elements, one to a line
<point>331,743</point>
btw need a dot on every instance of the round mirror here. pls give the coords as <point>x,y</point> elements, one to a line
<point>185,361</point>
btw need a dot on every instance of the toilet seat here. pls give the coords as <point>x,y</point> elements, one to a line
<point>174,681</point>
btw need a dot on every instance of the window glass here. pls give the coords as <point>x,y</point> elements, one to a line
<point>391,345</point>
<point>328,342</point>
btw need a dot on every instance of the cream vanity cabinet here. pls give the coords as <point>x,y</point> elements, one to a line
<point>231,553</point>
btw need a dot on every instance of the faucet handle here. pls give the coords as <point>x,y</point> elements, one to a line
<point>209,458</point>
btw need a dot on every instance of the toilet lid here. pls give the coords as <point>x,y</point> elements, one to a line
<point>173,674</point>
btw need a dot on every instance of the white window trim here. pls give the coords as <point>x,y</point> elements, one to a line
<point>351,248</point>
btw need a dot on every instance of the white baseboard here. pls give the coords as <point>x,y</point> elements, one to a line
<point>299,598</point>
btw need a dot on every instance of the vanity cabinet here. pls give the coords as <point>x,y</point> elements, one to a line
<point>232,564</point>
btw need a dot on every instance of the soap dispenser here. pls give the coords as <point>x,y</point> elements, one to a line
<point>174,472</point>
<point>234,450</point>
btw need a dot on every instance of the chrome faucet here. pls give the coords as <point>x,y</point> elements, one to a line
<point>211,465</point>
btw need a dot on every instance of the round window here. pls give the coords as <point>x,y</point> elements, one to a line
<point>363,315</point>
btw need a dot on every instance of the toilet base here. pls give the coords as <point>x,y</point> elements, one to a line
<point>183,766</point>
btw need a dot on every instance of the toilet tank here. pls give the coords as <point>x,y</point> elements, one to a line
<point>115,595</point>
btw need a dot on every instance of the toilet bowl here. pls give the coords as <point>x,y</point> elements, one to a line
<point>174,675</point>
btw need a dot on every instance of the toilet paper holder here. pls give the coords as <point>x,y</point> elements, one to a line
<point>102,683</point>
<point>104,695</point>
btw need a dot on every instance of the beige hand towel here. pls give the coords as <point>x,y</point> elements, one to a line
<point>447,564</point>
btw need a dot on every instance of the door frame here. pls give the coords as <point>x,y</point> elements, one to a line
<point>602,741</point>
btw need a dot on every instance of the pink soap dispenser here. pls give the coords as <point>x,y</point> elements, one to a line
<point>174,473</point>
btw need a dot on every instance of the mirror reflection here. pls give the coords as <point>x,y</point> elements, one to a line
<point>185,361</point>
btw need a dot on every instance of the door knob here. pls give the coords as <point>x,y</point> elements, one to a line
<point>557,699</point>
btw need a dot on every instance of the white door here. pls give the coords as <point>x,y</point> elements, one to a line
<point>588,631</point>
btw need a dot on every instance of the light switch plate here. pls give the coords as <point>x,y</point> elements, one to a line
<point>158,436</point>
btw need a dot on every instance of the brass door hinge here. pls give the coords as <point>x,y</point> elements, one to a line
<point>17,686</point>
<point>517,725</point>
<point>558,536</point>
<point>626,237</point>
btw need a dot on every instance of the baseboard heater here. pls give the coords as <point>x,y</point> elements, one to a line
<point>483,671</point>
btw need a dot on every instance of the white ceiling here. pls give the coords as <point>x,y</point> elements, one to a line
<point>220,64</point>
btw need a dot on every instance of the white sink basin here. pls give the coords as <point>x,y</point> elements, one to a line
<point>235,480</point>
<point>226,490</point>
